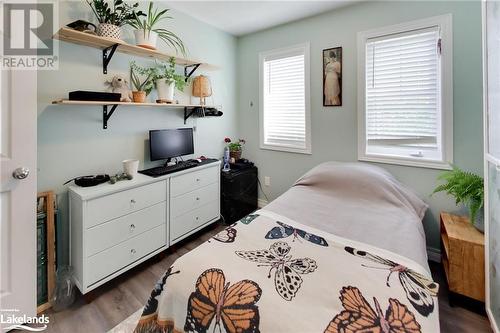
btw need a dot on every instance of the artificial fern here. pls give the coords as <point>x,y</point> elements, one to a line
<point>466,187</point>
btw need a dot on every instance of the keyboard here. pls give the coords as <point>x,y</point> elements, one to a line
<point>164,170</point>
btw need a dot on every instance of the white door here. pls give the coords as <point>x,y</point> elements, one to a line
<point>491,63</point>
<point>18,192</point>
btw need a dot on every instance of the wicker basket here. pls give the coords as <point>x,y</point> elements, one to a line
<point>236,154</point>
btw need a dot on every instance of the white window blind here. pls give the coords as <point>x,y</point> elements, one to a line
<point>403,89</point>
<point>284,109</point>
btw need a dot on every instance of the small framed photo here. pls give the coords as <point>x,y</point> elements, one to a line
<point>332,77</point>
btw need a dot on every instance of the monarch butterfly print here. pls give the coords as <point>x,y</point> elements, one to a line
<point>419,289</point>
<point>359,316</point>
<point>227,235</point>
<point>215,302</point>
<point>285,230</point>
<point>287,279</point>
<point>249,218</point>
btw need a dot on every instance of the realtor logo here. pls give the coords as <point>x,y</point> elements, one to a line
<point>27,35</point>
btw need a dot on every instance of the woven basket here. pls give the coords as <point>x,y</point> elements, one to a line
<point>109,31</point>
<point>236,154</point>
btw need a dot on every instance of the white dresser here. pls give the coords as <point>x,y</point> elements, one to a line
<point>115,227</point>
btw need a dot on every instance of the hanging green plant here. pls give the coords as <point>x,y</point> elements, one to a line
<point>148,30</point>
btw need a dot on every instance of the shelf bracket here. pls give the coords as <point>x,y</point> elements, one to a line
<point>107,54</point>
<point>106,115</point>
<point>187,115</point>
<point>188,73</point>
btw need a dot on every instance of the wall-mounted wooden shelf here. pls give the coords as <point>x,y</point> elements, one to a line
<point>188,108</point>
<point>110,46</point>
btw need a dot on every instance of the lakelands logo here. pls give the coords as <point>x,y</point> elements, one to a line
<point>27,41</point>
<point>12,320</point>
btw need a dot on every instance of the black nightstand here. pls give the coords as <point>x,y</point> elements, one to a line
<point>239,190</point>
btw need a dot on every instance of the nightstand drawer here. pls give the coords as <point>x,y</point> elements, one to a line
<point>122,203</point>
<point>192,200</point>
<point>194,180</point>
<point>110,233</point>
<point>113,259</point>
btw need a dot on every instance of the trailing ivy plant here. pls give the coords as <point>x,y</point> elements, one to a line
<point>466,187</point>
<point>117,13</point>
<point>150,23</point>
<point>166,70</point>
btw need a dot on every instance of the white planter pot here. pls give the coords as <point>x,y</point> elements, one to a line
<point>165,90</point>
<point>109,31</point>
<point>146,39</point>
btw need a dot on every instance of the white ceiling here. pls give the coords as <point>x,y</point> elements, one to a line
<point>243,17</point>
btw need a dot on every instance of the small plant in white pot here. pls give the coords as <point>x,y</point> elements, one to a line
<point>147,31</point>
<point>142,82</point>
<point>113,16</point>
<point>166,80</point>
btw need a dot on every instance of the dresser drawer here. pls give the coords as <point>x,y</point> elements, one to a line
<point>185,223</point>
<point>115,205</point>
<point>113,259</point>
<point>189,201</point>
<point>110,233</point>
<point>193,180</point>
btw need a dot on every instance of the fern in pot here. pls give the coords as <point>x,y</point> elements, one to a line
<point>148,31</point>
<point>112,16</point>
<point>166,80</point>
<point>467,188</point>
<point>142,82</point>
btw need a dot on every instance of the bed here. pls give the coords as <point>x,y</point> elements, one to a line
<point>343,250</point>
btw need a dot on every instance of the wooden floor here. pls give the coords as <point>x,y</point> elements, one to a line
<point>120,298</point>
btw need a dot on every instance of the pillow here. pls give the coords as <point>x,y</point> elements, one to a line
<point>360,181</point>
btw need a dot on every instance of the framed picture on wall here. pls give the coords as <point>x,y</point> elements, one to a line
<point>332,77</point>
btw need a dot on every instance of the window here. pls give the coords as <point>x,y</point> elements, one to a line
<point>405,94</point>
<point>284,100</point>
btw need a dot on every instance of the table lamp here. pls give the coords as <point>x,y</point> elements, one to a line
<point>202,88</point>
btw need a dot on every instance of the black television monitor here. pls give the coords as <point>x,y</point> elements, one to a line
<point>169,143</point>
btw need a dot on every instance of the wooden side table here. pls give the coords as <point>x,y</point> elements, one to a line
<point>462,252</point>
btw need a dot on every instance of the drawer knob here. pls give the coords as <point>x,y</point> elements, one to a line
<point>132,201</point>
<point>197,218</point>
<point>132,251</point>
<point>132,226</point>
<point>197,199</point>
<point>197,179</point>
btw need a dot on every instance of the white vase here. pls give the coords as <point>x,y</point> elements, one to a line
<point>109,31</point>
<point>146,39</point>
<point>165,89</point>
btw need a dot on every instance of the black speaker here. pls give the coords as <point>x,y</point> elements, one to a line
<point>239,190</point>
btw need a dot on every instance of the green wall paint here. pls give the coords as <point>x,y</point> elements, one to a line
<point>71,141</point>
<point>334,130</point>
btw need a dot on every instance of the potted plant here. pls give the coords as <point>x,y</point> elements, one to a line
<point>166,80</point>
<point>234,147</point>
<point>142,87</point>
<point>147,31</point>
<point>112,17</point>
<point>466,188</point>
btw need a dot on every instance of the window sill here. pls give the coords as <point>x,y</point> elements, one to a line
<point>305,151</point>
<point>406,162</point>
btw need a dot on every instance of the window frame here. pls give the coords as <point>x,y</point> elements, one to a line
<point>445,132</point>
<point>305,47</point>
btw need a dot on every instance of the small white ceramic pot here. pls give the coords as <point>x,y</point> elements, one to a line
<point>109,31</point>
<point>165,89</point>
<point>146,39</point>
<point>130,167</point>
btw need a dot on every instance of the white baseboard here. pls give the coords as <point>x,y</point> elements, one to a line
<point>261,202</point>
<point>434,254</point>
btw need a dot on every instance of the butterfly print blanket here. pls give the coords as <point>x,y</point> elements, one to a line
<point>268,273</point>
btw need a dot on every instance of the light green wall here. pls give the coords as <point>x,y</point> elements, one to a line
<point>71,141</point>
<point>334,130</point>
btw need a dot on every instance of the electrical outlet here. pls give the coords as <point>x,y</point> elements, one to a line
<point>267,181</point>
